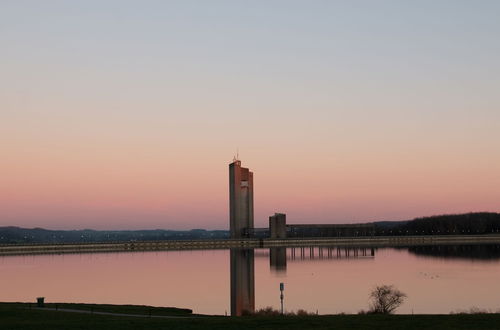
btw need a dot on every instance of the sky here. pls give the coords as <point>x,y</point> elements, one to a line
<point>126,114</point>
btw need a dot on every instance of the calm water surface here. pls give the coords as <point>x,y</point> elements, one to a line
<point>436,279</point>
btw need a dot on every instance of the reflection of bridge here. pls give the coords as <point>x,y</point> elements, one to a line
<point>243,274</point>
<point>278,257</point>
<point>318,252</point>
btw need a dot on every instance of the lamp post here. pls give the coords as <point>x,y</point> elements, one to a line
<point>282,288</point>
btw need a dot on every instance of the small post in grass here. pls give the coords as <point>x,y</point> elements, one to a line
<point>40,302</point>
<point>282,288</point>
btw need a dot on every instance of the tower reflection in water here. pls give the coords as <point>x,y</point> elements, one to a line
<point>243,272</point>
<point>277,259</point>
<point>242,282</point>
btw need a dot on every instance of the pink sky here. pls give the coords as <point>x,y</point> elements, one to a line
<point>128,119</point>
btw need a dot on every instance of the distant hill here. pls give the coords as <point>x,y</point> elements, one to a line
<point>15,235</point>
<point>458,224</point>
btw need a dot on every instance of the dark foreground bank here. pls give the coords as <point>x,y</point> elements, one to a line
<point>19,316</point>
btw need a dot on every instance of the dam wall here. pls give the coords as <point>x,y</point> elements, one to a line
<point>373,241</point>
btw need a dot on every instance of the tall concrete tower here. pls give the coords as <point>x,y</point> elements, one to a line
<point>240,199</point>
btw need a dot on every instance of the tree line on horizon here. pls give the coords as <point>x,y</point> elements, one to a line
<point>454,224</point>
<point>16,235</point>
<point>458,224</point>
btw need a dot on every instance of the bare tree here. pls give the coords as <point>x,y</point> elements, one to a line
<point>385,299</point>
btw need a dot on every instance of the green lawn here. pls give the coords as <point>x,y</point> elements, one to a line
<point>19,316</point>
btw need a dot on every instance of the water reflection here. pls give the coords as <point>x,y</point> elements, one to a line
<point>467,252</point>
<point>331,280</point>
<point>279,256</point>
<point>243,273</point>
<point>277,259</point>
<point>242,281</point>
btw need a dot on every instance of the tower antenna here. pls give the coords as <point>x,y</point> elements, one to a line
<point>237,156</point>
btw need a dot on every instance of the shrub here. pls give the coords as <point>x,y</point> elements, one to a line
<point>385,299</point>
<point>269,311</point>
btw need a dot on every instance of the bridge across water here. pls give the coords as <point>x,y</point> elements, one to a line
<point>374,241</point>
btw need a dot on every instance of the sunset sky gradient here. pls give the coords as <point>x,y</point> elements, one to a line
<point>126,114</point>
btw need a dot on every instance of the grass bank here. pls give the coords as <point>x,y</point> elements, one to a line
<point>106,308</point>
<point>19,316</point>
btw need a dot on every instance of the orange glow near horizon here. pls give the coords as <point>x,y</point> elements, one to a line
<point>184,192</point>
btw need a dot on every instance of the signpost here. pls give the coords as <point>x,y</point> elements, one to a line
<point>282,288</point>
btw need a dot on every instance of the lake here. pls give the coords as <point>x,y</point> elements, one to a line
<point>437,279</point>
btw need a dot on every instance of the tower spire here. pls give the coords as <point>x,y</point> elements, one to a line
<point>237,156</point>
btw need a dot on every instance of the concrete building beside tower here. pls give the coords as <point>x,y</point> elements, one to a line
<point>277,225</point>
<point>240,200</point>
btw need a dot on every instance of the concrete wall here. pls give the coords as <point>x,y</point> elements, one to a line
<point>330,230</point>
